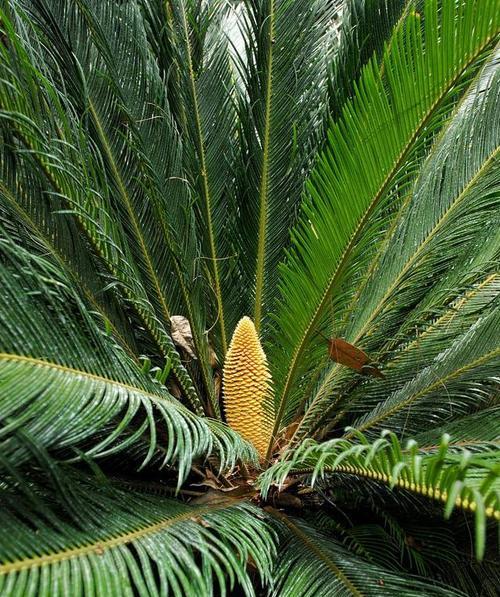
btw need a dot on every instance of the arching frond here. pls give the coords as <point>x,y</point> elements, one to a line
<point>65,382</point>
<point>86,124</point>
<point>437,270</point>
<point>458,479</point>
<point>368,149</point>
<point>315,565</point>
<point>97,538</point>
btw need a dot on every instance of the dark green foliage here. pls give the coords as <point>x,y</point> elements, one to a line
<point>329,169</point>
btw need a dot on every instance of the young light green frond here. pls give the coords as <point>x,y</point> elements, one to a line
<point>97,538</point>
<point>313,564</point>
<point>367,149</point>
<point>454,199</point>
<point>65,382</point>
<point>459,479</point>
<point>441,244</point>
<point>284,69</point>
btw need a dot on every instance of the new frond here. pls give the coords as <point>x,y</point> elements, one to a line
<point>456,478</point>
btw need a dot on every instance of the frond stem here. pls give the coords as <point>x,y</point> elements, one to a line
<point>98,547</point>
<point>264,181</point>
<point>205,183</point>
<point>318,552</point>
<point>9,357</point>
<point>420,489</point>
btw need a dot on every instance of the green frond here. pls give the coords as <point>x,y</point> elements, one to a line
<point>98,538</point>
<point>37,222</point>
<point>458,479</point>
<point>433,332</point>
<point>363,29</point>
<point>477,428</point>
<point>203,87</point>
<point>454,199</point>
<point>411,540</point>
<point>65,382</point>
<point>168,167</point>
<point>438,267</point>
<point>460,379</point>
<point>368,149</point>
<point>287,45</point>
<point>315,565</point>
<point>99,159</point>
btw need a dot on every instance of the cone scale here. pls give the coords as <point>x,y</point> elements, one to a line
<point>246,386</point>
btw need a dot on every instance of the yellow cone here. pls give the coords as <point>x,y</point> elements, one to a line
<point>246,384</point>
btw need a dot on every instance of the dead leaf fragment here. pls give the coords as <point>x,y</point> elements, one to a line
<point>182,336</point>
<point>212,358</point>
<point>349,355</point>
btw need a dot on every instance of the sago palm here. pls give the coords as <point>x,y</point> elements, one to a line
<point>249,297</point>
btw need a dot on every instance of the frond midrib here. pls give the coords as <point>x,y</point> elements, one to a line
<point>355,237</point>
<point>264,182</point>
<point>205,183</point>
<point>487,163</point>
<point>10,357</point>
<point>309,544</point>
<point>99,546</point>
<point>432,492</point>
<point>427,390</point>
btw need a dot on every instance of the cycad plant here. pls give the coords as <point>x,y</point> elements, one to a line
<point>249,297</point>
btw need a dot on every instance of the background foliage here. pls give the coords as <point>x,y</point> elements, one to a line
<point>329,169</point>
